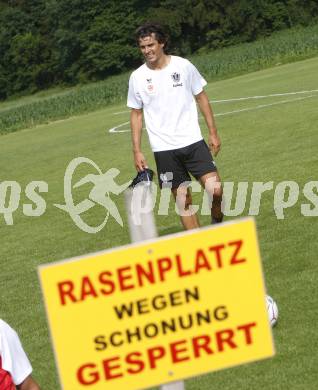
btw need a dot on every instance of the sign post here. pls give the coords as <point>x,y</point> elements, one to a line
<point>158,312</point>
<point>142,226</point>
<point>141,220</point>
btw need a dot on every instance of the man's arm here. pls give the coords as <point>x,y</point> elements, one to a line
<point>28,384</point>
<point>15,360</point>
<point>206,109</point>
<point>136,130</point>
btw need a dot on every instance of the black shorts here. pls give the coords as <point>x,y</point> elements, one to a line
<point>174,166</point>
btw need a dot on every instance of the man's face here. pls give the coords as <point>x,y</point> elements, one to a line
<point>151,49</point>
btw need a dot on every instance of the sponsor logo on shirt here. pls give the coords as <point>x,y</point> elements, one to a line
<point>150,86</point>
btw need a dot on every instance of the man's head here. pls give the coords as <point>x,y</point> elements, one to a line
<point>152,41</point>
<point>152,30</point>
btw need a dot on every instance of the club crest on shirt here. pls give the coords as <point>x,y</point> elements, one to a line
<point>176,78</point>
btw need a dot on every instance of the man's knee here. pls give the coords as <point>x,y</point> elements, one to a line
<point>183,197</point>
<point>213,187</point>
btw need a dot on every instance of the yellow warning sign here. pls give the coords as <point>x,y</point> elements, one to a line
<point>151,313</point>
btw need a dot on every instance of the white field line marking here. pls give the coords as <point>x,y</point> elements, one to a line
<point>244,98</point>
<point>114,129</point>
<point>264,106</point>
<point>262,96</point>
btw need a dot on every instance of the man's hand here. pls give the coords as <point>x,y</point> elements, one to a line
<point>140,161</point>
<point>214,143</point>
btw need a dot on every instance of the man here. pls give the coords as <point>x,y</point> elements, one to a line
<point>165,89</point>
<point>15,368</point>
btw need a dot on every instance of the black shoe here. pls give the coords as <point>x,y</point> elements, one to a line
<point>145,176</point>
<point>217,220</point>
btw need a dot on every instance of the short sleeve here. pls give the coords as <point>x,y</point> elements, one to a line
<point>14,359</point>
<point>134,99</point>
<point>197,81</point>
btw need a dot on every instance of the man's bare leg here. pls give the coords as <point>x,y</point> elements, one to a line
<point>183,199</point>
<point>211,182</point>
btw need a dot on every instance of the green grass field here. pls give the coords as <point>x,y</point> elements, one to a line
<point>269,138</point>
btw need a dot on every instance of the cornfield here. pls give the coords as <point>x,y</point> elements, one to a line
<point>281,47</point>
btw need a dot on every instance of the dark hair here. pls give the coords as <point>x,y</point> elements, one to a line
<point>149,28</point>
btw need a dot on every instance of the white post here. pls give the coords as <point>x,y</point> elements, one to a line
<point>142,226</point>
<point>141,220</point>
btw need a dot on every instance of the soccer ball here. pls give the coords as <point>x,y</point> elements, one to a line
<point>272,310</point>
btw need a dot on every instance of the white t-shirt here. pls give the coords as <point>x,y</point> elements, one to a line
<point>14,359</point>
<point>169,107</point>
